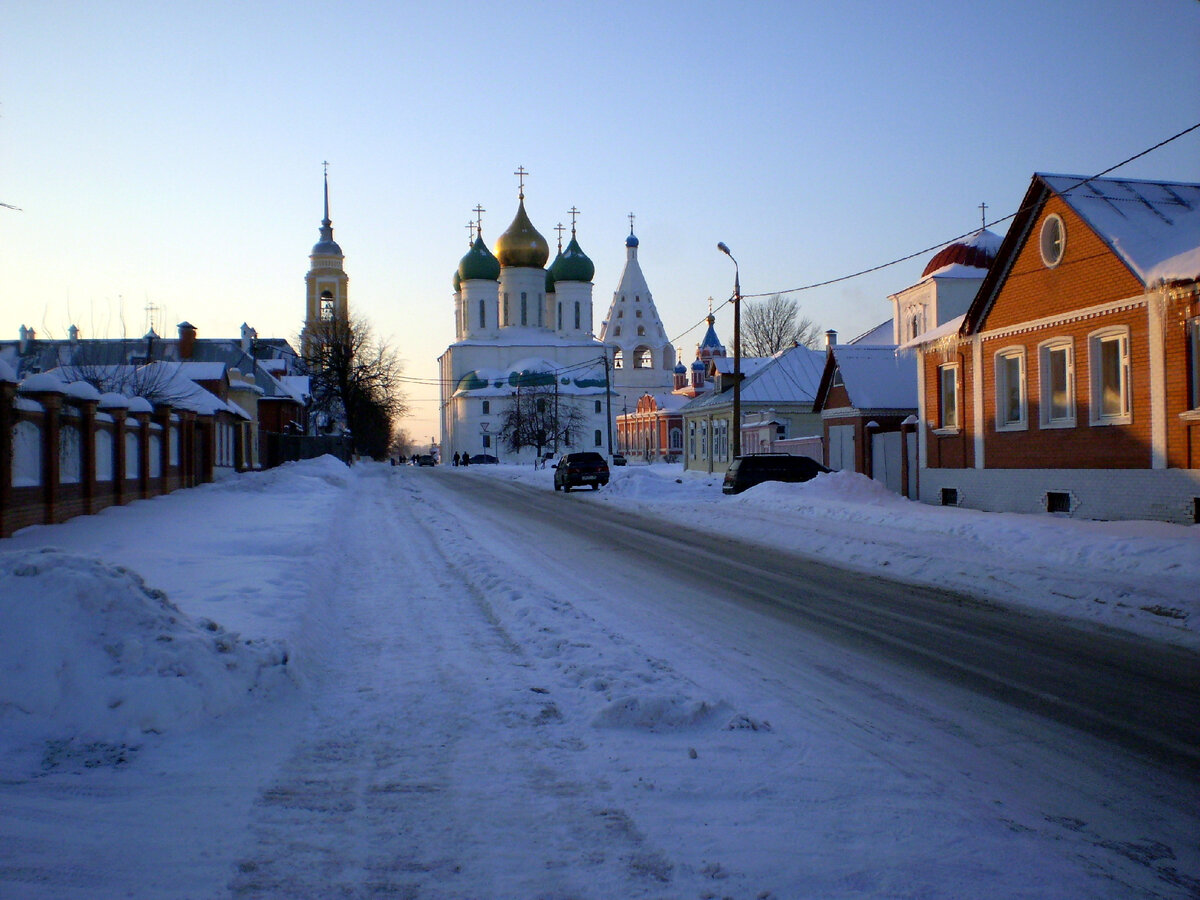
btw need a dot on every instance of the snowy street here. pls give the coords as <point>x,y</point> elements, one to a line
<point>460,684</point>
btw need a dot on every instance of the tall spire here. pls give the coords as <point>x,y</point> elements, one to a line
<point>326,245</point>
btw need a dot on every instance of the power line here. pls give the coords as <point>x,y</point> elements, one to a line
<point>1080,183</point>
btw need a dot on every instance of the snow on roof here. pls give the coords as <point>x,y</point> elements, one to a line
<point>1154,226</point>
<point>957,270</point>
<point>791,377</point>
<point>881,334</point>
<point>946,329</point>
<point>750,364</point>
<point>203,371</point>
<point>298,386</point>
<point>877,378</point>
<point>7,373</point>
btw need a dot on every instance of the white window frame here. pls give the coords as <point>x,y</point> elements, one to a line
<point>1194,361</point>
<point>1046,417</point>
<point>945,427</point>
<point>1002,358</point>
<point>1096,340</point>
<point>1046,246</point>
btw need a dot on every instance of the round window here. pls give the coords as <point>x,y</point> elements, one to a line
<point>1054,238</point>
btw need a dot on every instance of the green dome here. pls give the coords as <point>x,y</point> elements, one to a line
<point>552,271</point>
<point>457,281</point>
<point>479,263</point>
<point>573,264</point>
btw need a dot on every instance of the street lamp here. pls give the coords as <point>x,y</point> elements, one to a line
<point>736,444</point>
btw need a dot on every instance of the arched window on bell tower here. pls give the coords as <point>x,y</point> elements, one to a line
<point>327,306</point>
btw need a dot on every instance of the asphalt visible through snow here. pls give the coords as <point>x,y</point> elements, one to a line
<point>1138,695</point>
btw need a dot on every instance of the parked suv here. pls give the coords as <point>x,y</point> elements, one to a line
<point>755,468</point>
<point>578,469</point>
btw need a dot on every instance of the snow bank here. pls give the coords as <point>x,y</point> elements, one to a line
<point>92,656</point>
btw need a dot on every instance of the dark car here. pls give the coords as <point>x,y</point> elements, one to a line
<point>578,469</point>
<point>483,459</point>
<point>755,468</point>
<point>618,459</point>
<point>426,459</point>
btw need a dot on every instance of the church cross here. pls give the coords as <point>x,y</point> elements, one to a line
<point>983,215</point>
<point>521,173</point>
<point>479,211</point>
<point>325,166</point>
<point>574,214</point>
<point>471,234</point>
<point>631,223</point>
<point>559,228</point>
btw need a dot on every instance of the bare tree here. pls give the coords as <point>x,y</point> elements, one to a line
<point>537,417</point>
<point>775,324</point>
<point>354,378</point>
<point>402,443</point>
<point>127,367</point>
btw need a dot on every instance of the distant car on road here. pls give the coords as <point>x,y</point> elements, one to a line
<point>426,460</point>
<point>618,459</point>
<point>578,469</point>
<point>483,459</point>
<point>755,468</point>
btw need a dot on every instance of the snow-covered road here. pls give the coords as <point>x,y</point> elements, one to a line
<point>476,710</point>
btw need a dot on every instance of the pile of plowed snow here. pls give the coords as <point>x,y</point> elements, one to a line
<point>88,652</point>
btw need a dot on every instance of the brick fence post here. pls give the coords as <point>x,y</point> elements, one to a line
<point>8,421</point>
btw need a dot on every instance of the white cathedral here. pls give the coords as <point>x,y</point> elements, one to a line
<point>524,329</point>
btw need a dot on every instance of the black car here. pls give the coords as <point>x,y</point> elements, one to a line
<point>578,469</point>
<point>755,468</point>
<point>618,459</point>
<point>484,459</point>
<point>426,459</point>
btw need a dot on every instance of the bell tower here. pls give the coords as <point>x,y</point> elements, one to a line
<point>327,284</point>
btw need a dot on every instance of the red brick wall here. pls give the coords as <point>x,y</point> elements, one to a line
<point>1085,446</point>
<point>1088,275</point>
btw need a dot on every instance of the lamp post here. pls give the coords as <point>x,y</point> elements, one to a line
<point>736,444</point>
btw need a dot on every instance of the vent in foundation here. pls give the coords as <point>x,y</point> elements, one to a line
<point>949,496</point>
<point>1058,502</point>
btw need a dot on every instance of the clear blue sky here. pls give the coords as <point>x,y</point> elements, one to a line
<point>170,153</point>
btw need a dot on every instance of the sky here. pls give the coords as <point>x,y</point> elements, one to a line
<point>170,155</point>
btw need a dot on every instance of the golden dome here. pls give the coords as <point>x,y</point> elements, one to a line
<point>521,246</point>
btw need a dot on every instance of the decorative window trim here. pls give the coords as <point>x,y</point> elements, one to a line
<point>1194,361</point>
<point>1096,340</point>
<point>1046,385</point>
<point>945,426</point>
<point>1052,246</point>
<point>1021,422</point>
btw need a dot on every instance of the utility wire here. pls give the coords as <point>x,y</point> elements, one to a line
<point>907,257</point>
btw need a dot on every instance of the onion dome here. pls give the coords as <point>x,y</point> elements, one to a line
<point>977,252</point>
<point>457,281</point>
<point>478,263</point>
<point>573,264</point>
<point>632,240</point>
<point>552,269</point>
<point>521,246</point>
<point>680,368</point>
<point>698,365</point>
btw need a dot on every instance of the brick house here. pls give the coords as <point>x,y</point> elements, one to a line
<point>1072,383</point>
<point>867,401</point>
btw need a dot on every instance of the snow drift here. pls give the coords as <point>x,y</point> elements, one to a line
<point>90,653</point>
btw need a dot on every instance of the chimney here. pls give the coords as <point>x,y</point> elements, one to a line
<point>73,334</point>
<point>187,339</point>
<point>26,336</point>
<point>830,339</point>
